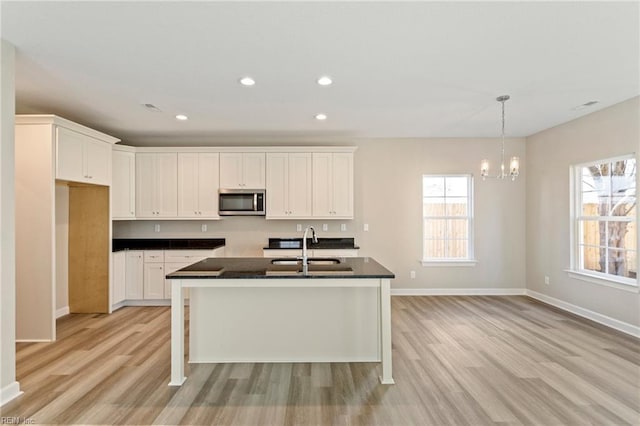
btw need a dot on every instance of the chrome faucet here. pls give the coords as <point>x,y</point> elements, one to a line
<point>305,257</point>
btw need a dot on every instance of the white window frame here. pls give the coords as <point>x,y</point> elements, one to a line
<point>448,262</point>
<point>575,270</point>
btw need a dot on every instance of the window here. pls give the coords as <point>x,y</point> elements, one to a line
<point>605,224</point>
<point>447,211</point>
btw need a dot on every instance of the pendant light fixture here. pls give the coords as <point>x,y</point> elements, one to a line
<point>514,163</point>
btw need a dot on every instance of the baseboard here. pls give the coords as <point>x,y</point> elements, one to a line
<point>586,313</point>
<point>9,393</point>
<point>458,291</point>
<point>158,302</point>
<point>62,312</point>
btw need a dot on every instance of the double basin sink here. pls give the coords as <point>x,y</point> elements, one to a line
<point>316,266</point>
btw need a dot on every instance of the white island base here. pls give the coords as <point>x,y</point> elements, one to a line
<point>282,320</point>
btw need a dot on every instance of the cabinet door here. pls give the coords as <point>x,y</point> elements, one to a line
<point>188,185</point>
<point>123,185</point>
<point>169,268</point>
<point>322,185</point>
<point>253,170</point>
<point>299,188</point>
<point>134,275</point>
<point>208,185</point>
<point>342,185</point>
<point>166,199</point>
<point>231,170</point>
<point>154,281</point>
<point>97,157</point>
<point>145,185</point>
<point>119,276</point>
<point>70,155</point>
<point>277,186</point>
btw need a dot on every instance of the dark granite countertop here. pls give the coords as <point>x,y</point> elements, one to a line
<point>119,244</point>
<point>262,268</point>
<point>323,243</point>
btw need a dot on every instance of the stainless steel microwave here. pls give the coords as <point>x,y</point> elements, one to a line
<point>242,202</point>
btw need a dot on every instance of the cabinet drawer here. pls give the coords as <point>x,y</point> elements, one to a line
<point>154,256</point>
<point>182,256</point>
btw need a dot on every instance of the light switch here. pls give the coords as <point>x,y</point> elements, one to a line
<point>325,227</point>
<point>204,227</point>
<point>156,227</point>
<point>343,227</point>
<point>299,228</point>
<point>366,227</point>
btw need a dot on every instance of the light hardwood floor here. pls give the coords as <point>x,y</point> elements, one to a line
<point>457,361</point>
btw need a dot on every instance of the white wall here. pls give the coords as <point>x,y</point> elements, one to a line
<point>388,197</point>
<point>607,133</point>
<point>9,387</point>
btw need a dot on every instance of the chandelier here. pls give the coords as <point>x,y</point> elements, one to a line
<point>514,163</point>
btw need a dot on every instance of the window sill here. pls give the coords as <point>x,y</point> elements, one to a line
<point>597,279</point>
<point>449,263</point>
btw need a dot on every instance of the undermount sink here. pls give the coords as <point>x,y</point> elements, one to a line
<point>311,261</point>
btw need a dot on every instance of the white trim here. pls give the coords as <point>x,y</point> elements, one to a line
<point>458,291</point>
<point>449,263</point>
<point>601,280</point>
<point>259,149</point>
<point>154,302</point>
<point>62,312</point>
<point>586,313</point>
<point>63,122</point>
<point>10,392</point>
<point>35,340</point>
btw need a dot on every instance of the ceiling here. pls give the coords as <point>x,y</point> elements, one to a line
<point>400,69</point>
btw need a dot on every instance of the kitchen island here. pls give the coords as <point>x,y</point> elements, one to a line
<point>268,310</point>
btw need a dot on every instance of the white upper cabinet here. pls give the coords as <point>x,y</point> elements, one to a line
<point>156,185</point>
<point>123,185</point>
<point>288,185</point>
<point>198,184</point>
<point>82,158</point>
<point>333,185</point>
<point>242,170</point>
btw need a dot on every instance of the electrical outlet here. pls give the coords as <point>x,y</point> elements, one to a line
<point>413,275</point>
<point>156,227</point>
<point>299,228</point>
<point>203,228</point>
<point>546,279</point>
<point>366,227</point>
<point>343,227</point>
<point>325,227</point>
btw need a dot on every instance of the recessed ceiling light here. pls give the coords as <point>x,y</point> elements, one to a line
<point>181,117</point>
<point>321,116</point>
<point>325,81</point>
<point>247,81</point>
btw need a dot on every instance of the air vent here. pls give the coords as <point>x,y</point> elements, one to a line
<point>585,105</point>
<point>151,107</point>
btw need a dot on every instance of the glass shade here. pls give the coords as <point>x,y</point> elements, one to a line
<point>514,166</point>
<point>484,168</point>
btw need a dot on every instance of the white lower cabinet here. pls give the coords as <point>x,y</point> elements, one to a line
<point>153,274</point>
<point>140,274</point>
<point>119,277</point>
<point>172,267</point>
<point>134,266</point>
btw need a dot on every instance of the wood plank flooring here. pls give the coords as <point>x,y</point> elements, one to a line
<point>457,361</point>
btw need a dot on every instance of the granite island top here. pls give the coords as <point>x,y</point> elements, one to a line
<point>263,268</point>
<point>119,244</point>
<point>323,243</point>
